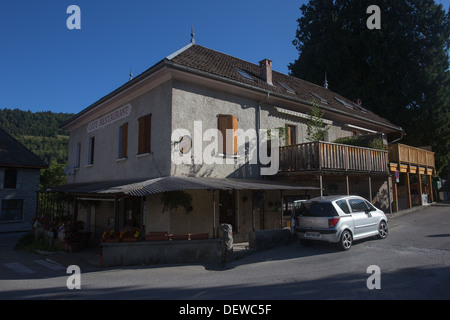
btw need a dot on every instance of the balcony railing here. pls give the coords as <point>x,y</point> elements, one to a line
<point>324,156</point>
<point>403,154</point>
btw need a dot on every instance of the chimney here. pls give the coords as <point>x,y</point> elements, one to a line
<point>265,67</point>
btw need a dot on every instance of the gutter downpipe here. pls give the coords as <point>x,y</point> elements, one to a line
<point>258,127</point>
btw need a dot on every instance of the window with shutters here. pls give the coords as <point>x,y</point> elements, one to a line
<point>227,146</point>
<point>123,142</point>
<point>145,131</point>
<point>291,135</point>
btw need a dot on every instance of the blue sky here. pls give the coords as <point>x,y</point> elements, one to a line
<point>45,66</point>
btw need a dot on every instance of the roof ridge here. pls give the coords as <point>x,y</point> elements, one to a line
<point>176,53</point>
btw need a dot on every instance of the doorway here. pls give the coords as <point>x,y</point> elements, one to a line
<point>227,211</point>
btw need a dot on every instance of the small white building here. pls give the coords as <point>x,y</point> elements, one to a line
<point>19,183</point>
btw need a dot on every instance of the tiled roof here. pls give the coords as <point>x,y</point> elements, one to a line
<point>15,154</point>
<point>219,64</point>
<point>195,58</point>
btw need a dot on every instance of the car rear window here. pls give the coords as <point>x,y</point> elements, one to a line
<point>318,209</point>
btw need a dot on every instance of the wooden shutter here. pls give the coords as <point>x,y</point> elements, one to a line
<point>235,137</point>
<point>226,122</point>
<point>291,135</point>
<point>144,142</point>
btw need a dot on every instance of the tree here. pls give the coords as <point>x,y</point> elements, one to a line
<point>316,129</point>
<point>400,72</point>
<point>53,176</point>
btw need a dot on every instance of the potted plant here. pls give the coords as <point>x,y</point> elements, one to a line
<point>72,237</point>
<point>110,236</point>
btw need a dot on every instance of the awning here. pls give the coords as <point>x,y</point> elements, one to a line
<point>157,185</point>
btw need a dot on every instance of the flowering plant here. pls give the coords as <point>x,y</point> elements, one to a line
<point>110,234</point>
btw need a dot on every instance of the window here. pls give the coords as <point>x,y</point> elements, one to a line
<point>10,180</point>
<point>12,210</point>
<point>286,87</point>
<point>358,205</point>
<point>291,135</point>
<point>348,105</point>
<point>343,205</point>
<point>228,122</point>
<point>145,132</point>
<point>321,99</point>
<point>91,151</point>
<point>318,209</point>
<point>123,141</point>
<point>77,156</point>
<point>244,74</point>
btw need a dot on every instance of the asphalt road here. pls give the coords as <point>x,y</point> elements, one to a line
<point>413,263</point>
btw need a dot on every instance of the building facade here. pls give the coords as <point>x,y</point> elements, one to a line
<point>202,114</point>
<point>19,183</point>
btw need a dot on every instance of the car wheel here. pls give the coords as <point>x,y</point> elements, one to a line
<point>382,230</point>
<point>346,240</point>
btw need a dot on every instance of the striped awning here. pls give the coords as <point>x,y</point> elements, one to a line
<point>145,187</point>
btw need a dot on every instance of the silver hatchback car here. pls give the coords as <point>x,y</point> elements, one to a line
<point>339,219</point>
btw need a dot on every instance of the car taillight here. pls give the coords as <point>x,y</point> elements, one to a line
<point>332,222</point>
<point>297,223</point>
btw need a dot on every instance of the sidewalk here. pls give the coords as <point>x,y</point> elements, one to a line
<point>90,260</point>
<point>416,208</point>
<point>87,259</point>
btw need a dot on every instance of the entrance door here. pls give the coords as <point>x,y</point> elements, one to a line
<point>132,212</point>
<point>227,212</point>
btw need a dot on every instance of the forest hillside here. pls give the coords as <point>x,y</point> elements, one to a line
<point>40,132</point>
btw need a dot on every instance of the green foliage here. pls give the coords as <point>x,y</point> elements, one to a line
<point>173,199</point>
<point>362,141</point>
<point>39,132</point>
<point>400,72</point>
<point>53,176</point>
<point>316,128</point>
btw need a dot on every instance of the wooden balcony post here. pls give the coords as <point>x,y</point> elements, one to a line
<point>347,184</point>
<point>408,191</point>
<point>419,184</point>
<point>430,183</point>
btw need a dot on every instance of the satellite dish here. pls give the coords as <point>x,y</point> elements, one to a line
<point>185,144</point>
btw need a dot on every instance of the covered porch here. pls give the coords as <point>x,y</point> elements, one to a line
<point>119,206</point>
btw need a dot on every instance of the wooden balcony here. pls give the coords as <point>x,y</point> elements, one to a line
<point>324,156</point>
<point>410,159</point>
